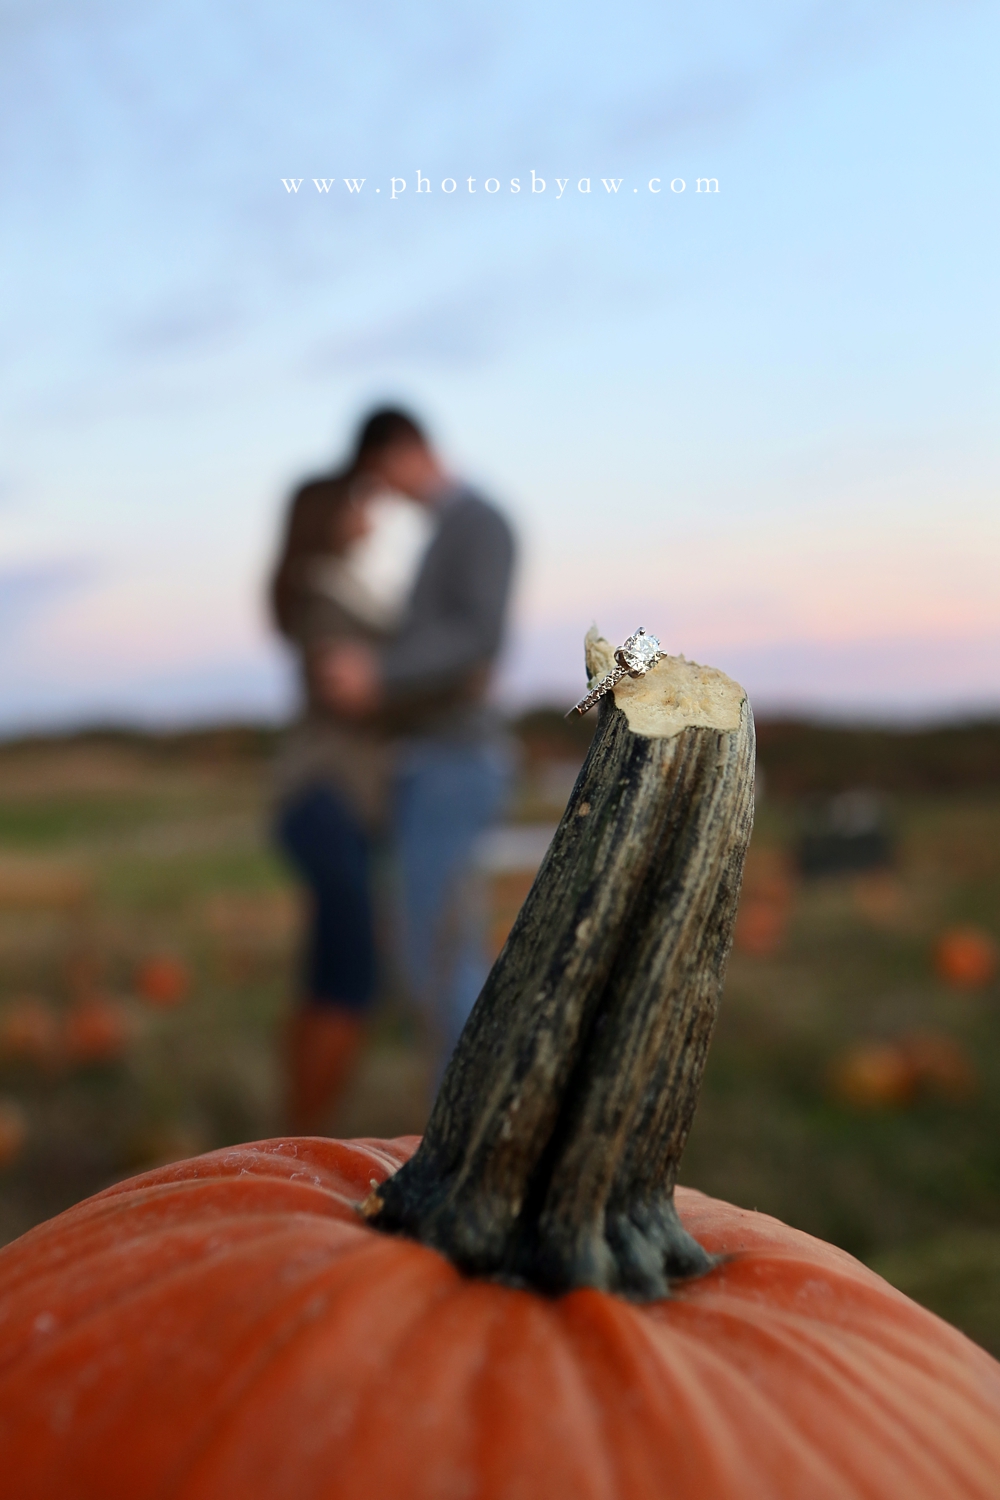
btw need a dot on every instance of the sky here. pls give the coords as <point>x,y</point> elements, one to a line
<point>758,421</point>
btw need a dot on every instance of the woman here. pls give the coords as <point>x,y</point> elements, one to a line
<point>331,783</point>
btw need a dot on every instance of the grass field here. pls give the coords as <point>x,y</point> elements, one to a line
<point>116,849</point>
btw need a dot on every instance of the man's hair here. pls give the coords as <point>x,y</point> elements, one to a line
<point>384,427</point>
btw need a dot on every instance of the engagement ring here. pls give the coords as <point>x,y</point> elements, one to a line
<point>639,653</point>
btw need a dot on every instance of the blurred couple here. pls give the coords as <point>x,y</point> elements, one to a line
<point>397,740</point>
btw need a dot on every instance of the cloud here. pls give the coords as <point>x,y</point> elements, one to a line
<point>821,39</point>
<point>20,18</point>
<point>182,324</point>
<point>465,326</point>
<point>112,398</point>
<point>462,331</point>
<point>30,588</point>
<point>711,99</point>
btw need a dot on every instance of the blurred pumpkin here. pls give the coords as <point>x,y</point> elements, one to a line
<point>966,957</point>
<point>874,1075</point>
<point>760,928</point>
<point>13,1131</point>
<point>892,1074</point>
<point>29,1032</point>
<point>766,903</point>
<point>940,1064</point>
<point>163,980</point>
<point>96,1031</point>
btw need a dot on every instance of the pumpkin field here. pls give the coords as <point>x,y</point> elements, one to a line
<point>147,950</point>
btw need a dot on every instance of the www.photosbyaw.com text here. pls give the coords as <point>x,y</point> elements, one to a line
<point>555,187</point>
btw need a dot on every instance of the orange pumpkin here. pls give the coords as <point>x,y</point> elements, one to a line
<point>761,927</point>
<point>874,1075</point>
<point>763,916</point>
<point>229,1326</point>
<point>966,958</point>
<point>29,1032</point>
<point>96,1031</point>
<point>13,1132</point>
<point>163,980</point>
<point>941,1065</point>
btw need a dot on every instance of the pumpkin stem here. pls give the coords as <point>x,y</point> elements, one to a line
<point>552,1149</point>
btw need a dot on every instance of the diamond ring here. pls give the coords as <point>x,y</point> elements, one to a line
<point>639,653</point>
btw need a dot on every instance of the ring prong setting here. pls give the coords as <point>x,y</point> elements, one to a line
<point>633,659</point>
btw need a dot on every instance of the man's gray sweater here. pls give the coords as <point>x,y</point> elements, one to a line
<point>436,669</point>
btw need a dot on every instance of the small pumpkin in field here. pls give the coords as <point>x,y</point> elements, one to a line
<point>966,957</point>
<point>520,1305</point>
<point>874,1075</point>
<point>30,1033</point>
<point>96,1030</point>
<point>761,928</point>
<point>942,1066</point>
<point>766,905</point>
<point>894,1073</point>
<point>13,1132</point>
<point>163,980</point>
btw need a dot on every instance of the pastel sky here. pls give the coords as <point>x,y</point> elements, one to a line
<point>759,422</point>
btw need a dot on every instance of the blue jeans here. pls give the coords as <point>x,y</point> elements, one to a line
<point>329,847</point>
<point>446,796</point>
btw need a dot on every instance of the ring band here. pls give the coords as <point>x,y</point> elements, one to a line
<point>634,658</point>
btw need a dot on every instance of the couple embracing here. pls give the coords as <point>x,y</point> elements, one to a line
<point>397,740</point>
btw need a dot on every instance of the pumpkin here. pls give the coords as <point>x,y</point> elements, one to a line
<point>761,928</point>
<point>966,958</point>
<point>520,1305</point>
<point>941,1065</point>
<point>874,1075</point>
<point>162,980</point>
<point>762,920</point>
<point>96,1031</point>
<point>229,1326</point>
<point>13,1132</point>
<point>29,1033</point>
<point>890,1074</point>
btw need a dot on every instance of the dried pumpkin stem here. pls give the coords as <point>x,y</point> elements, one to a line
<point>552,1149</point>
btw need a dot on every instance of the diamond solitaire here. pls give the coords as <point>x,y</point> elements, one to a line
<point>641,651</point>
<point>634,658</point>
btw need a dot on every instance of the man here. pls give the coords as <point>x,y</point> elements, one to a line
<point>430,682</point>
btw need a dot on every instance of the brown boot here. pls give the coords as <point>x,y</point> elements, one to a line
<point>324,1042</point>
